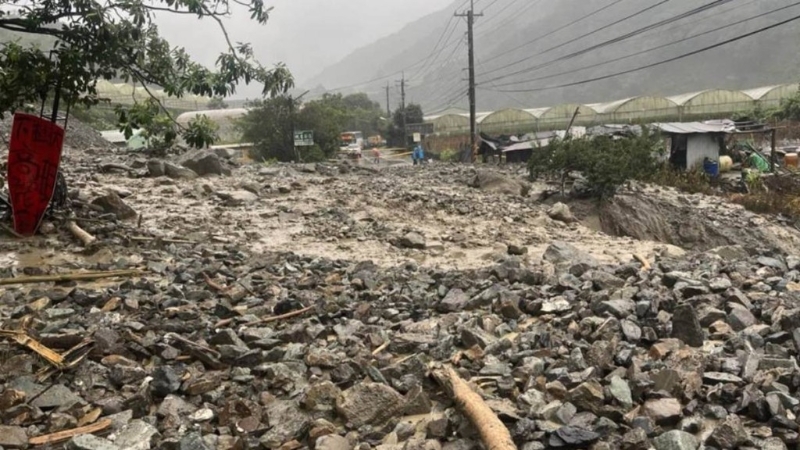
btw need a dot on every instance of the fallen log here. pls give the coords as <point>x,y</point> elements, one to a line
<point>493,433</point>
<point>85,238</point>
<point>75,276</point>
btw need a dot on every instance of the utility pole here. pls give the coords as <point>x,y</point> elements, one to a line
<point>403,109</point>
<point>470,15</point>
<point>388,108</point>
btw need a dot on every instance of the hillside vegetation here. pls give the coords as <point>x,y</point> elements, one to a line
<point>767,58</point>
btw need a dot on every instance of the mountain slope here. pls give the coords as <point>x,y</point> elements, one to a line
<point>518,41</point>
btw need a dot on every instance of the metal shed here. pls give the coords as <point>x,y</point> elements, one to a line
<point>692,142</point>
<point>712,103</point>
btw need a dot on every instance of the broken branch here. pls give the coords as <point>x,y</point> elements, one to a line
<point>493,433</point>
<point>75,276</point>
<point>61,436</point>
<point>299,312</point>
<point>85,238</point>
<point>643,260</point>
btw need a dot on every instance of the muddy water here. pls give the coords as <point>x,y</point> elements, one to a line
<point>316,218</point>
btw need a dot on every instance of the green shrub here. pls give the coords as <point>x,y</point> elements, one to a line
<point>605,162</point>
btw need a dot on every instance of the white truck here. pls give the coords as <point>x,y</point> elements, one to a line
<point>352,143</point>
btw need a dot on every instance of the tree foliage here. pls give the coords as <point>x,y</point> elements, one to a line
<point>605,162</point>
<point>110,40</point>
<point>270,124</point>
<point>413,115</point>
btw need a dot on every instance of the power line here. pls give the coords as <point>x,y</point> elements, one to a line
<point>563,44</point>
<point>497,14</point>
<point>614,40</point>
<point>668,44</point>
<point>538,38</point>
<point>422,70</point>
<point>341,88</point>
<point>660,63</point>
<point>435,47</point>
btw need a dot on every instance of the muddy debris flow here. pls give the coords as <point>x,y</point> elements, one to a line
<point>306,306</point>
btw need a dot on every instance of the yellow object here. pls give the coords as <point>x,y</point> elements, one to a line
<point>790,160</point>
<point>725,163</point>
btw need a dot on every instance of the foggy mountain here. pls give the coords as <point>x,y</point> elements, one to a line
<point>526,46</point>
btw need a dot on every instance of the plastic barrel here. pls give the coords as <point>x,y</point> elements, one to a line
<point>790,160</point>
<point>711,168</point>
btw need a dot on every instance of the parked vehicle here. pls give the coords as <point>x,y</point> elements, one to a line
<point>352,143</point>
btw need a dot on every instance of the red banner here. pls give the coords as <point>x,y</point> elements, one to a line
<point>34,154</point>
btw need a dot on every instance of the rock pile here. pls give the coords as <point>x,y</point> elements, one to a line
<point>568,353</point>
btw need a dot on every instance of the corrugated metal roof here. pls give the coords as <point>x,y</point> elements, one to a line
<point>695,127</point>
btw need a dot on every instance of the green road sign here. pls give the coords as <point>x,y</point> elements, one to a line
<point>303,138</point>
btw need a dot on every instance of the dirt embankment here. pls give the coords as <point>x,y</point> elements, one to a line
<point>692,222</point>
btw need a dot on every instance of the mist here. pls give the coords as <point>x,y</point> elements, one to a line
<point>306,35</point>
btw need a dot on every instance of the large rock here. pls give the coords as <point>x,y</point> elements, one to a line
<point>561,253</point>
<point>561,212</point>
<point>490,181</point>
<point>137,435</point>
<point>155,168</point>
<point>663,411</point>
<point>204,162</point>
<point>92,442</point>
<point>177,172</point>
<point>113,204</point>
<point>13,437</point>
<point>676,440</point>
<point>333,442</point>
<point>686,326</point>
<point>731,433</point>
<point>412,240</point>
<point>287,422</point>
<point>369,404</point>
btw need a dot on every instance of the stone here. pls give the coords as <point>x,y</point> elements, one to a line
<point>491,181</point>
<point>561,253</point>
<point>203,162</point>
<point>332,442</point>
<point>287,422</point>
<point>516,249</point>
<point>237,197</point>
<point>412,240</point>
<point>739,317</point>
<point>193,441</point>
<point>569,436</point>
<point>663,411</point>
<point>561,213</point>
<point>621,391</point>
<point>166,380</point>
<point>455,301</point>
<point>731,433</point>
<point>676,440</point>
<point>686,326</point>
<point>177,172</point>
<point>111,203</point>
<point>91,442</point>
<point>58,395</point>
<point>13,437</point>
<point>369,404</point>
<point>137,435</point>
<point>155,168</point>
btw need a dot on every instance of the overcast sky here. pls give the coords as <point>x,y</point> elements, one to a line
<point>307,35</point>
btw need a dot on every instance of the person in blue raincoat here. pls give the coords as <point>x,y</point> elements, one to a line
<point>419,154</point>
